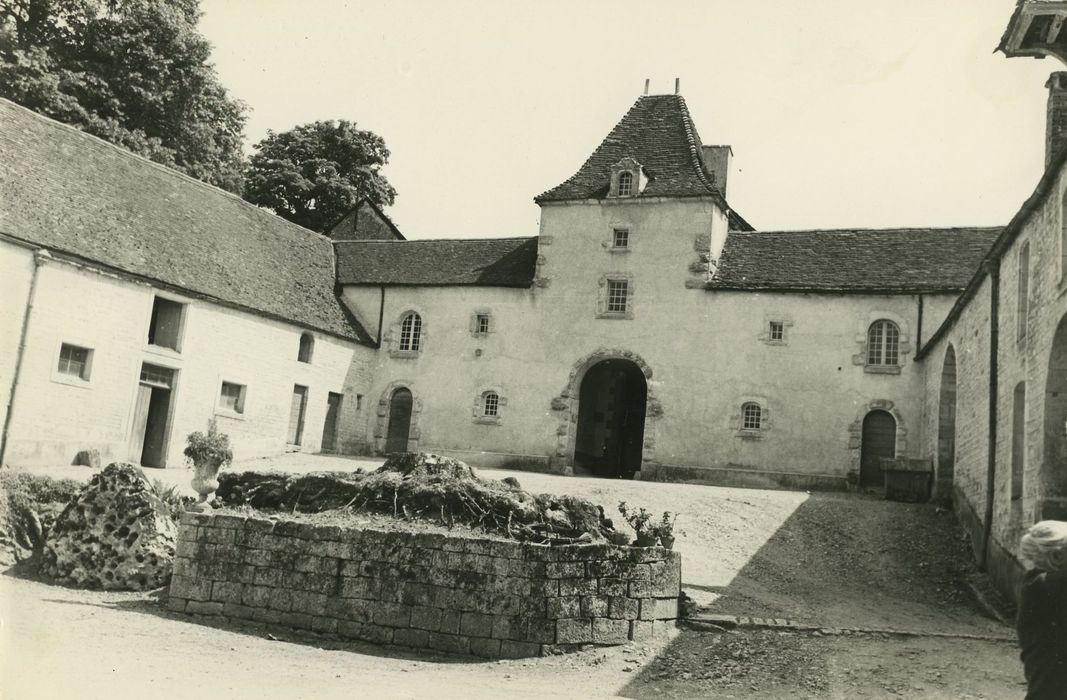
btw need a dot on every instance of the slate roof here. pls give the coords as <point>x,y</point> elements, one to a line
<point>73,193</point>
<point>857,260</point>
<point>487,262</point>
<point>659,133</point>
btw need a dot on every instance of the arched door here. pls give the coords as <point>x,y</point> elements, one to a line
<point>396,439</point>
<point>611,419</point>
<point>879,440</point>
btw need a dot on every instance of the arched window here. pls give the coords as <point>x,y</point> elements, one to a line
<point>626,184</point>
<point>751,416</point>
<point>490,404</point>
<point>307,348</point>
<point>411,332</point>
<point>883,344</point>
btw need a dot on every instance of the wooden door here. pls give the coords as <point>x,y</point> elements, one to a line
<point>155,435</point>
<point>140,422</point>
<point>329,428</point>
<point>879,440</point>
<point>399,421</point>
<point>296,414</point>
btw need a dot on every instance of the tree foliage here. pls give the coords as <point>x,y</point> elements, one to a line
<point>314,173</point>
<point>133,72</point>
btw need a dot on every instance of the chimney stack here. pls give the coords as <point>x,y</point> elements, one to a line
<point>677,86</point>
<point>717,163</point>
<point>647,80</point>
<point>1056,119</point>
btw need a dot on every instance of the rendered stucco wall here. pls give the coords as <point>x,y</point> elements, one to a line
<point>55,416</point>
<point>17,265</point>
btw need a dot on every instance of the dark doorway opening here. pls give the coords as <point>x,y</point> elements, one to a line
<point>946,426</point>
<point>611,419</point>
<point>151,416</point>
<point>297,409</point>
<point>396,439</point>
<point>1053,483</point>
<point>329,427</point>
<point>879,441</point>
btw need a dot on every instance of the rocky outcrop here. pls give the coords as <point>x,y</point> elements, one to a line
<point>116,534</point>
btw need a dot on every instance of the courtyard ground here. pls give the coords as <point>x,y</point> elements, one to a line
<point>828,560</point>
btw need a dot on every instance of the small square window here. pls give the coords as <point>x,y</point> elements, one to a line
<point>232,397</point>
<point>618,296</point>
<point>359,402</point>
<point>777,331</point>
<point>751,416</point>
<point>75,361</point>
<point>165,326</point>
<point>481,324</point>
<point>620,238</point>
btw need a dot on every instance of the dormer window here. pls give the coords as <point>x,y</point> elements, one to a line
<point>627,179</point>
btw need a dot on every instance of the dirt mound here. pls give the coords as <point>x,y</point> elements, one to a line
<point>427,487</point>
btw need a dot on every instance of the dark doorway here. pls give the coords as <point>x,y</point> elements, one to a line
<point>151,416</point>
<point>879,441</point>
<point>946,425</point>
<point>396,439</point>
<point>297,409</point>
<point>329,427</point>
<point>1053,481</point>
<point>611,419</point>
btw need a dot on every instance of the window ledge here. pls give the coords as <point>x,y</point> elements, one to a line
<point>163,351</point>
<point>68,380</point>
<point>620,249</point>
<point>404,354</point>
<point>749,434</point>
<point>616,315</point>
<point>779,343</point>
<point>232,415</point>
<point>882,369</point>
<point>487,420</point>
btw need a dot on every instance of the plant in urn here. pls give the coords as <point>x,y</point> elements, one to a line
<point>208,452</point>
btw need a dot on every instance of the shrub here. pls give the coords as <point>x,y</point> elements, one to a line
<point>211,447</point>
<point>172,498</point>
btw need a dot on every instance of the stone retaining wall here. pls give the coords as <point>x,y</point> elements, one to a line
<point>489,598</point>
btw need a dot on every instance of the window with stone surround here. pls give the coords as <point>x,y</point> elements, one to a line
<point>776,333</point>
<point>616,296</point>
<point>410,333</point>
<point>883,344</point>
<point>481,323</point>
<point>307,348</point>
<point>751,416</point>
<point>1022,306</point>
<point>620,238</point>
<point>751,420</point>
<point>488,406</point>
<point>232,398</point>
<point>165,325</point>
<point>626,184</point>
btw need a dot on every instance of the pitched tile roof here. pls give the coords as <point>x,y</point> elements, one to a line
<point>660,135</point>
<point>887,260</point>
<point>73,193</point>
<point>365,222</point>
<point>487,262</point>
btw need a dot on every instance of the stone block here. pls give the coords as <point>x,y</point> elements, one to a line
<point>256,596</point>
<point>257,557</point>
<point>476,624</point>
<point>659,609</point>
<point>508,627</point>
<point>577,586</point>
<point>237,611</point>
<point>563,607</point>
<point>666,579</point>
<point>534,552</point>
<point>350,629</point>
<point>365,588</point>
<point>258,525</point>
<point>326,532</point>
<point>324,625</point>
<point>352,568</point>
<point>266,576</point>
<point>613,586</point>
<point>321,583</point>
<point>190,588</point>
<point>352,609</point>
<point>425,618</point>
<point>603,569</point>
<point>308,602</point>
<point>450,622</point>
<point>241,573</point>
<point>505,550</point>
<point>293,529</point>
<point>187,549</point>
<point>574,569</point>
<point>280,599</point>
<point>392,614</point>
<point>296,620</point>
<point>330,548</point>
<point>485,648</point>
<point>228,522</point>
<point>594,606</point>
<point>192,518</point>
<point>541,631</point>
<point>622,608</point>
<point>411,638</point>
<point>185,567</point>
<point>574,631</point>
<point>417,594</point>
<point>428,540</point>
<point>176,604</point>
<point>526,569</point>
<point>641,589</point>
<point>271,617</point>
<point>518,650</point>
<point>633,572</point>
<point>450,643</point>
<point>187,533</point>
<point>226,592</point>
<point>607,631</point>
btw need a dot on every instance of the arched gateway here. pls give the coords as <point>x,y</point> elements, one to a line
<point>611,419</point>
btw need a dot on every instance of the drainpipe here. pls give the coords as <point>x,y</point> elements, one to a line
<point>919,326</point>
<point>381,314</point>
<point>991,468</point>
<point>39,258</point>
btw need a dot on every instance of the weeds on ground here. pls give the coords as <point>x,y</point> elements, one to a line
<point>29,504</point>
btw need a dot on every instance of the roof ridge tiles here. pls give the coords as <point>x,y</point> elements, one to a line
<point>443,240</point>
<point>901,229</point>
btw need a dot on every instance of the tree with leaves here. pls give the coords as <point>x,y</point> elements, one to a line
<point>134,72</point>
<point>314,174</point>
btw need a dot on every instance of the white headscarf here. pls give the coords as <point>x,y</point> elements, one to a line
<point>1044,545</point>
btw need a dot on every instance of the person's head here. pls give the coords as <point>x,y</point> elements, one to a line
<point>1044,546</point>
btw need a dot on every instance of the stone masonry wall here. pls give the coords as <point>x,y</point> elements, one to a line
<point>489,598</point>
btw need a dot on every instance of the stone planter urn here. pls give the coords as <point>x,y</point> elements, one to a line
<point>205,482</point>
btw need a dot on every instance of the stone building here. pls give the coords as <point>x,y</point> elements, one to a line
<point>647,330</point>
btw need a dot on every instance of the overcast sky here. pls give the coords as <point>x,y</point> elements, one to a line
<point>841,113</point>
